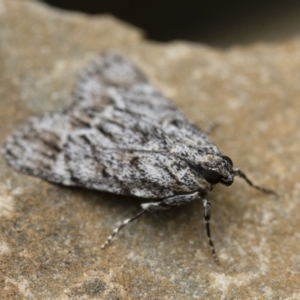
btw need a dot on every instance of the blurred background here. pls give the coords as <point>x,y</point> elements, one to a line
<point>219,23</point>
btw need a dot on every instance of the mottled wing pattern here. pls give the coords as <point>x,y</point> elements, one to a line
<point>114,136</point>
<point>126,106</point>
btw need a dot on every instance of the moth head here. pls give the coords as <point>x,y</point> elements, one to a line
<point>219,170</point>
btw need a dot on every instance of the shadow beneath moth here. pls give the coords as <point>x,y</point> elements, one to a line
<point>121,135</point>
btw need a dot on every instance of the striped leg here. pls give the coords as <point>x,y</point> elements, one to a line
<point>240,173</point>
<point>206,205</point>
<point>154,206</point>
<point>117,229</point>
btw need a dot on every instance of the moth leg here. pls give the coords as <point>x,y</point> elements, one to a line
<point>167,203</point>
<point>154,206</point>
<point>124,223</point>
<point>206,205</point>
<point>241,174</point>
<point>184,199</point>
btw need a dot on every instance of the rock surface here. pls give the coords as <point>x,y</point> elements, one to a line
<point>50,235</point>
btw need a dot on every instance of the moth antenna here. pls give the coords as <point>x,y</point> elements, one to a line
<point>241,174</point>
<point>124,223</point>
<point>206,205</point>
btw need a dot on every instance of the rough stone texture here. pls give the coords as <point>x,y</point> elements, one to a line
<point>50,235</point>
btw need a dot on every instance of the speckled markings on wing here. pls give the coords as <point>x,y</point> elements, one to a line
<point>121,135</point>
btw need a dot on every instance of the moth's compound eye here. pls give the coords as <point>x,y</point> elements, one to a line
<point>228,159</point>
<point>212,176</point>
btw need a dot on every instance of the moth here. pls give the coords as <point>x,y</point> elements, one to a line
<point>120,135</point>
